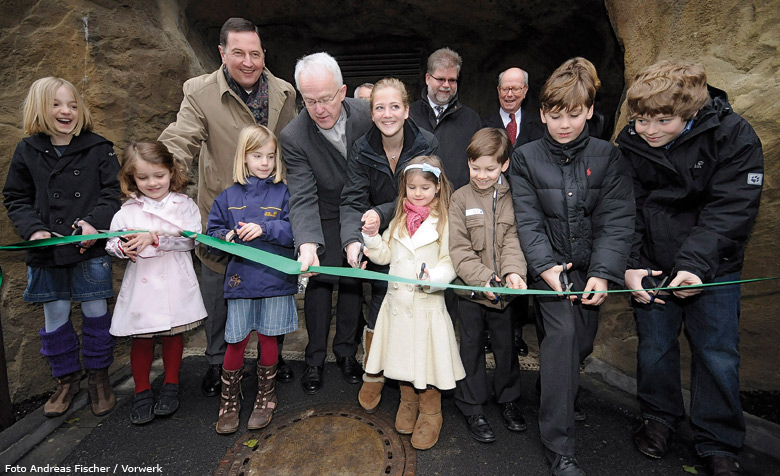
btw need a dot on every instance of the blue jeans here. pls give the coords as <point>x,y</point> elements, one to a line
<point>711,321</point>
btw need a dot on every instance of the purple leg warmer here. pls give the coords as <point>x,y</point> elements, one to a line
<point>97,344</point>
<point>61,349</point>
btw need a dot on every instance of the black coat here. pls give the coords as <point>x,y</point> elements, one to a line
<point>696,201</point>
<point>531,127</point>
<point>573,203</point>
<point>454,131</point>
<point>370,181</point>
<point>46,192</point>
<point>316,174</point>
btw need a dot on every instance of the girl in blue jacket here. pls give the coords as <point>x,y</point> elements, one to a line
<point>255,212</point>
<point>63,179</point>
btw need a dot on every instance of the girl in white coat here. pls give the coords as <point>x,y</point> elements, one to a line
<point>414,341</point>
<point>160,294</point>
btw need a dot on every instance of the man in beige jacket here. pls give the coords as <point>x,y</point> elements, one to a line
<point>215,108</point>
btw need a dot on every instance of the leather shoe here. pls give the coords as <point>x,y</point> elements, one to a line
<point>350,369</point>
<point>521,346</point>
<point>212,380</point>
<point>488,341</point>
<point>480,428</point>
<point>563,465</point>
<point>513,418</point>
<point>311,380</point>
<point>284,373</point>
<point>652,438</point>
<point>718,465</point>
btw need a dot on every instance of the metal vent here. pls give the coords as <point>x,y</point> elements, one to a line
<point>358,68</point>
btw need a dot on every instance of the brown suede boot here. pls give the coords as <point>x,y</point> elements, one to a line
<point>67,389</point>
<point>428,426</point>
<point>101,395</point>
<point>406,417</point>
<point>371,391</point>
<point>265,403</point>
<point>230,404</point>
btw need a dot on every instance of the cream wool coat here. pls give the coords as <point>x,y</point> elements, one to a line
<point>160,290</point>
<point>414,340</point>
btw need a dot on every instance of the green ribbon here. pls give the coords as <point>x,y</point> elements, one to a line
<point>289,266</point>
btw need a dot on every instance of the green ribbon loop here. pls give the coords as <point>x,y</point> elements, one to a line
<point>289,266</point>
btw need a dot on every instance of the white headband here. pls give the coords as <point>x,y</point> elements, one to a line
<point>425,167</point>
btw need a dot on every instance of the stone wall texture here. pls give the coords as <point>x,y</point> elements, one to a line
<point>130,59</point>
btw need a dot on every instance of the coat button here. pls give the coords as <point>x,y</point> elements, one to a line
<point>77,172</point>
<point>143,280</point>
<point>58,221</point>
<point>56,195</point>
<point>162,277</point>
<point>570,194</point>
<point>395,285</point>
<point>77,194</point>
<point>395,312</point>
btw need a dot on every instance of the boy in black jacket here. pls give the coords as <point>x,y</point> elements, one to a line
<point>698,171</point>
<point>575,218</point>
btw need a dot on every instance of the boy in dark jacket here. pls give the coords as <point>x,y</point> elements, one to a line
<point>698,171</point>
<point>485,251</point>
<point>575,218</point>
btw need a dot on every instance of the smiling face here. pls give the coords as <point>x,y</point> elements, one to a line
<point>243,57</point>
<point>659,130</point>
<point>63,115</point>
<point>388,111</point>
<point>512,90</point>
<point>152,180</point>
<point>442,84</point>
<point>564,126</point>
<point>485,170</point>
<point>419,190</point>
<point>260,162</point>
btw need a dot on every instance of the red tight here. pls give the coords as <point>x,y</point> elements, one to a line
<point>142,355</point>
<point>268,349</point>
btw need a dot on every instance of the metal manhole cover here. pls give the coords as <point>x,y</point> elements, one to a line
<point>330,438</point>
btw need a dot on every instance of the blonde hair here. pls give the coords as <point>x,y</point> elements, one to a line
<point>252,138</point>
<point>438,206</point>
<point>156,153</point>
<point>573,84</point>
<point>36,115</point>
<point>668,88</point>
<point>393,83</point>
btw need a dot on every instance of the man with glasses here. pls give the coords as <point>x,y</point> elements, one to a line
<point>521,125</point>
<point>314,148</point>
<point>215,108</point>
<point>439,111</point>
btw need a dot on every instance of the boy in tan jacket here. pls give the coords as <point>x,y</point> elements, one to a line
<point>485,251</point>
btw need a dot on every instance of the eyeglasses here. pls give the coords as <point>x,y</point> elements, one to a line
<point>323,101</point>
<point>444,80</point>
<point>511,89</point>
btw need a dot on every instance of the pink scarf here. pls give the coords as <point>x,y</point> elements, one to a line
<point>414,216</point>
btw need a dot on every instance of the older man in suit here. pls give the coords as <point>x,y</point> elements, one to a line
<point>521,125</point>
<point>314,148</point>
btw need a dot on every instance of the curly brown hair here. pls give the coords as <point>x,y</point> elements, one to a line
<point>153,152</point>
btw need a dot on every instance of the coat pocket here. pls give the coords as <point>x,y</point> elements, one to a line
<point>475,225</point>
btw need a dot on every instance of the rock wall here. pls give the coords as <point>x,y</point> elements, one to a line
<point>130,59</point>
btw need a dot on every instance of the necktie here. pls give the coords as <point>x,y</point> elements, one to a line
<point>439,110</point>
<point>511,128</point>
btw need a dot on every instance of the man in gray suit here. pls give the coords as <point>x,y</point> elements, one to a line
<point>314,148</point>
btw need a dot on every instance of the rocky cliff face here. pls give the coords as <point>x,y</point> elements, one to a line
<point>130,59</point>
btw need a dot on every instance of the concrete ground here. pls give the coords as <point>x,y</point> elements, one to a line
<point>186,443</point>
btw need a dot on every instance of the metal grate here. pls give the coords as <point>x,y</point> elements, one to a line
<point>370,67</point>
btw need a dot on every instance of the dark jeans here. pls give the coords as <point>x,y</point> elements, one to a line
<point>711,321</point>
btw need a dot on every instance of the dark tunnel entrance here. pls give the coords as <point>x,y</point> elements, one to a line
<point>373,39</point>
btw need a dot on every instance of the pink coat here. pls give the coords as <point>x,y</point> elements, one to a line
<point>160,290</point>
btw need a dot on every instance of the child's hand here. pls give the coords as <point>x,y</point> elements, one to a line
<point>40,235</point>
<point>684,278</point>
<point>633,279</point>
<point>552,277</point>
<point>137,242</point>
<point>249,231</point>
<point>370,221</point>
<point>514,281</point>
<point>86,229</point>
<point>595,284</point>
